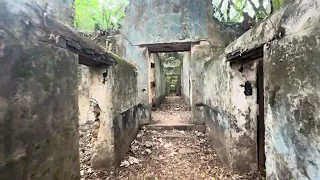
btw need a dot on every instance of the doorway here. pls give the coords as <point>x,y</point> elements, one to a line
<point>260,118</point>
<point>248,74</point>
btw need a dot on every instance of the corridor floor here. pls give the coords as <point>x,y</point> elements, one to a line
<point>172,111</point>
<point>163,155</point>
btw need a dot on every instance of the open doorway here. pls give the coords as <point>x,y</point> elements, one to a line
<point>248,74</point>
<point>168,107</point>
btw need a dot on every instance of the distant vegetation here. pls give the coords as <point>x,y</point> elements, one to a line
<point>93,15</point>
<point>234,10</point>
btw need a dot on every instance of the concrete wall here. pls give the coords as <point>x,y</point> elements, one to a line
<point>153,21</point>
<point>84,95</point>
<point>61,9</point>
<point>121,113</point>
<point>199,55</point>
<point>290,91</point>
<point>160,79</point>
<point>292,97</point>
<point>168,21</point>
<point>38,104</point>
<point>140,58</point>
<point>185,78</point>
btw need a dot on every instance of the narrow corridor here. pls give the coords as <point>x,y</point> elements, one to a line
<point>163,154</point>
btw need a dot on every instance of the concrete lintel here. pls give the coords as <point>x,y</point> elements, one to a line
<point>169,47</point>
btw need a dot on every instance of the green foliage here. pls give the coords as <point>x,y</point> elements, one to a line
<point>278,4</point>
<point>233,10</point>
<point>92,15</point>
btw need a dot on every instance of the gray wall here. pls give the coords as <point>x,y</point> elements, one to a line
<point>291,89</point>
<point>139,57</point>
<point>292,98</point>
<point>185,78</point>
<point>160,78</point>
<point>127,112</point>
<point>61,9</point>
<point>168,21</point>
<point>153,21</point>
<point>84,94</point>
<point>121,113</point>
<point>38,104</point>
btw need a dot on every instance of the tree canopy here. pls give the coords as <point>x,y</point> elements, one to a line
<point>233,10</point>
<point>93,15</point>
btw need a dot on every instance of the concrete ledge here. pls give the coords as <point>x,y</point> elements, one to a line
<point>180,127</point>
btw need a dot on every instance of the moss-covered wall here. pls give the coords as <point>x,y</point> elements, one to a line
<point>38,103</point>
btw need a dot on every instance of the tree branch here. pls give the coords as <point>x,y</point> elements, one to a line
<point>255,9</point>
<point>218,9</point>
<point>262,8</point>
<point>228,11</point>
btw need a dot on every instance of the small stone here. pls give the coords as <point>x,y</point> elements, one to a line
<point>168,145</point>
<point>133,160</point>
<point>148,151</point>
<point>185,151</point>
<point>124,163</point>
<point>89,122</point>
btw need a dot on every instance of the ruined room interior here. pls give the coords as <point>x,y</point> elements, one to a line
<point>149,89</point>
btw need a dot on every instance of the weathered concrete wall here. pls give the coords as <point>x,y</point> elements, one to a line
<point>216,108</point>
<point>153,21</point>
<point>160,79</point>
<point>243,119</point>
<point>169,21</point>
<point>231,115</point>
<point>291,97</point>
<point>140,58</point>
<point>38,103</point>
<point>199,55</point>
<point>84,95</point>
<point>185,78</point>
<point>121,113</point>
<point>63,10</point>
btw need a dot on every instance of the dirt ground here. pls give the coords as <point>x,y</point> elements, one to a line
<point>172,111</point>
<point>163,155</point>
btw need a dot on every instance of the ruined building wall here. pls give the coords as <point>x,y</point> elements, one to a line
<point>185,78</point>
<point>166,21</point>
<point>84,95</point>
<point>63,10</point>
<point>199,55</point>
<point>290,93</point>
<point>120,115</point>
<point>38,103</point>
<point>160,78</point>
<point>144,23</point>
<point>292,97</point>
<point>217,103</point>
<point>140,58</point>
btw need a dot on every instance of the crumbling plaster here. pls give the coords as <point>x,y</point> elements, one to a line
<point>38,102</point>
<point>185,78</point>
<point>290,90</point>
<point>153,21</point>
<point>160,79</point>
